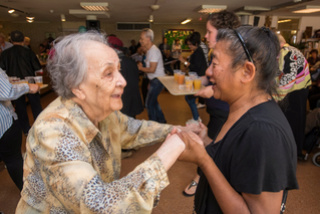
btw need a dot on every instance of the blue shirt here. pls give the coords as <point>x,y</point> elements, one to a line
<point>8,92</point>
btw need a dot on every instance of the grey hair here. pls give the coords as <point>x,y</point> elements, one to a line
<point>67,64</point>
<point>148,33</point>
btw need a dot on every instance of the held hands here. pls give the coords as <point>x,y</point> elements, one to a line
<point>198,128</point>
<point>194,150</point>
<point>33,88</point>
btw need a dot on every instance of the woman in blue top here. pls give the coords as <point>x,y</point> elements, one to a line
<point>252,162</point>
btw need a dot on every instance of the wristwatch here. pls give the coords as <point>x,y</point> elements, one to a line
<point>185,63</point>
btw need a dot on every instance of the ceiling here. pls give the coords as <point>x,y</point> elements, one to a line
<point>170,11</point>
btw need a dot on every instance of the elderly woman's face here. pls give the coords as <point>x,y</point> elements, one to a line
<point>221,73</point>
<point>211,35</point>
<point>104,84</point>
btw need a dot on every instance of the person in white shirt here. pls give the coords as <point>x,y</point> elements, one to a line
<point>154,68</point>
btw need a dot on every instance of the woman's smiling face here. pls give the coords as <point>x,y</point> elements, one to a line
<point>221,73</point>
<point>104,83</point>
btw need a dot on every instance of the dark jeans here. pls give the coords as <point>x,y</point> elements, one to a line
<point>10,153</point>
<point>144,88</point>
<point>153,107</point>
<point>21,110</point>
<point>191,100</point>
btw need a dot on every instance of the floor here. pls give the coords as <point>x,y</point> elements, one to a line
<point>304,200</point>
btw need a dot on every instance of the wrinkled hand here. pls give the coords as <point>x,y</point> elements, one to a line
<point>33,88</point>
<point>194,150</point>
<point>200,129</point>
<point>193,127</point>
<point>206,92</point>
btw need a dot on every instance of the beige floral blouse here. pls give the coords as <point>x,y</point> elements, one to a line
<point>73,167</point>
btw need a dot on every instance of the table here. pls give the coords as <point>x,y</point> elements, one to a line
<point>174,88</point>
<point>44,86</point>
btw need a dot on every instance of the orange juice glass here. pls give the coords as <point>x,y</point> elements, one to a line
<point>189,81</point>
<point>197,84</point>
<point>176,74</point>
<point>181,78</point>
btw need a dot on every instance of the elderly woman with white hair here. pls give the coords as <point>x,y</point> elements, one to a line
<point>74,147</point>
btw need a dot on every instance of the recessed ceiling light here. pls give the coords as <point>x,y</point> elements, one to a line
<point>63,17</point>
<point>186,21</point>
<point>307,9</point>
<point>284,20</point>
<point>95,6</point>
<point>11,11</point>
<point>211,8</point>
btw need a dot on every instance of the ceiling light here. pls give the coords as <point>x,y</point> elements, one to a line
<point>11,11</point>
<point>81,12</point>
<point>30,17</point>
<point>308,9</point>
<point>95,6</point>
<point>151,18</point>
<point>284,20</point>
<point>63,17</point>
<point>211,8</point>
<point>255,8</point>
<point>186,21</point>
<point>155,7</point>
<point>30,20</point>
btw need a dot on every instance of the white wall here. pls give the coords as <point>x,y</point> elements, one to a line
<point>305,21</point>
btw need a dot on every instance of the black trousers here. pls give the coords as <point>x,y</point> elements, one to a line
<point>294,108</point>
<point>10,153</point>
<point>21,110</point>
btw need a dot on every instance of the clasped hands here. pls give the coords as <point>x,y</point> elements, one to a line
<point>193,136</point>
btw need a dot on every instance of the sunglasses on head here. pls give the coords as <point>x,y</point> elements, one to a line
<point>243,45</point>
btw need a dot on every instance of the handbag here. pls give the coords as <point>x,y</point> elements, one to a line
<point>283,203</point>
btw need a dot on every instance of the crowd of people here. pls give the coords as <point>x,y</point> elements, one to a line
<point>246,155</point>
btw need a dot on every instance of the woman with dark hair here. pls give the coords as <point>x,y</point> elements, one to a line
<point>252,162</point>
<point>218,110</point>
<point>197,63</point>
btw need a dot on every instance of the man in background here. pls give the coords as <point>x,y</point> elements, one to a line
<point>154,68</point>
<point>21,62</point>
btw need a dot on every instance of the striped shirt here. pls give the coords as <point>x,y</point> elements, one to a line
<point>8,92</point>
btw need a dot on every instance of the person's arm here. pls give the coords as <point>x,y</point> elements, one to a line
<point>230,201</point>
<point>205,92</point>
<point>266,202</point>
<point>151,69</point>
<point>9,91</point>
<point>83,176</point>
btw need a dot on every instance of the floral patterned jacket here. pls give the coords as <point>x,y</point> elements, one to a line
<point>73,167</point>
<point>294,71</point>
